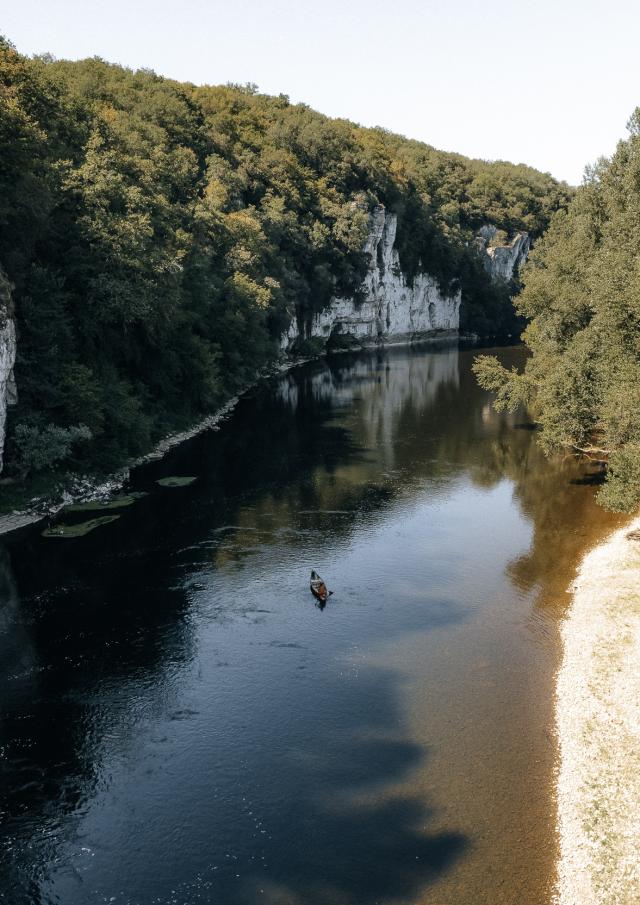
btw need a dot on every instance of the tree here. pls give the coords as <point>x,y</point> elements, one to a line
<point>582,299</point>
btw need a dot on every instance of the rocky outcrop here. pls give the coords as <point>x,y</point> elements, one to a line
<point>502,260</point>
<point>391,310</point>
<point>7,355</point>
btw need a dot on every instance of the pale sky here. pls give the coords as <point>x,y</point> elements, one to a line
<point>550,83</point>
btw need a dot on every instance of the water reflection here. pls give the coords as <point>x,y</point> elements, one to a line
<point>178,720</point>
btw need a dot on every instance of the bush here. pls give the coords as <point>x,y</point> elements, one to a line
<point>41,449</point>
<point>309,348</point>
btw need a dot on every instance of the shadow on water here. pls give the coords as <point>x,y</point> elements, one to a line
<point>341,842</point>
<point>92,637</point>
<point>100,639</point>
<point>329,840</point>
<point>63,647</point>
<point>558,500</point>
<point>594,478</point>
<point>352,845</point>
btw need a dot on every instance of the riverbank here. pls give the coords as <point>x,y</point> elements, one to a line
<point>81,488</point>
<point>598,725</point>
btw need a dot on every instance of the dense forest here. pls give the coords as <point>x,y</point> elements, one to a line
<point>581,297</point>
<point>158,237</point>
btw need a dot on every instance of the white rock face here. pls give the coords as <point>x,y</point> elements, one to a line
<point>8,394</point>
<point>392,311</point>
<point>503,261</point>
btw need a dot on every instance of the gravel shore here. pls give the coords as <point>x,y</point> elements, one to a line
<point>598,725</point>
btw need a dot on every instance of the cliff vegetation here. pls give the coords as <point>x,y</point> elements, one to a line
<point>159,237</point>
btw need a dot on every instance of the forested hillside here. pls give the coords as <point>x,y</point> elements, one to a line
<point>160,236</point>
<point>582,296</point>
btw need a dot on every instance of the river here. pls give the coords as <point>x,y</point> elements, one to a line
<point>180,723</point>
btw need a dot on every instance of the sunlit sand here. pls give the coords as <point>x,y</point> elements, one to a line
<point>598,724</point>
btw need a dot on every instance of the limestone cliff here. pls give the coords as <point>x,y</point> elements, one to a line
<point>391,310</point>
<point>502,260</point>
<point>7,355</point>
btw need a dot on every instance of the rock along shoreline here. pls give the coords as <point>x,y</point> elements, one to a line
<point>598,728</point>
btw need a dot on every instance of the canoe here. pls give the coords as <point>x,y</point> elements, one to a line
<point>319,588</point>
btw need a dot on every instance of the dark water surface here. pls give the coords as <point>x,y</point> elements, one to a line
<point>181,724</point>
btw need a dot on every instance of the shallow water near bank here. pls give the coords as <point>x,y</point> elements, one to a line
<point>180,722</point>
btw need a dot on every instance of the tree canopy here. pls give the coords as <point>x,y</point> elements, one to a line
<point>582,299</point>
<point>159,237</point>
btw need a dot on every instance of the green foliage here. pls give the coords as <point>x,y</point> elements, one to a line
<point>582,299</point>
<point>511,388</point>
<point>118,502</point>
<point>176,481</point>
<point>80,529</point>
<point>500,237</point>
<point>308,348</point>
<point>161,236</point>
<point>39,449</point>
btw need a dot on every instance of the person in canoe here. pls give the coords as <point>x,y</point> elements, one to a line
<point>319,588</point>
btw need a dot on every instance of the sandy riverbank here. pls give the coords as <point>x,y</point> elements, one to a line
<point>598,725</point>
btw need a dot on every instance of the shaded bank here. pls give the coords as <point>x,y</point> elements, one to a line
<point>598,723</point>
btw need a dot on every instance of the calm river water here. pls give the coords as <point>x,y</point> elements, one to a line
<point>179,723</point>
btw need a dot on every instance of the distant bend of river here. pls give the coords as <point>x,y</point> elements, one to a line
<point>180,723</point>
